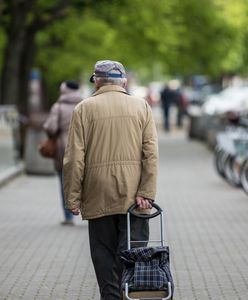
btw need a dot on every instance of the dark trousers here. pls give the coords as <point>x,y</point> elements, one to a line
<point>166,111</point>
<point>179,116</point>
<point>108,236</point>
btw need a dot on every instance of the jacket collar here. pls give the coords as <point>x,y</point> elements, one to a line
<point>110,88</point>
<point>72,97</point>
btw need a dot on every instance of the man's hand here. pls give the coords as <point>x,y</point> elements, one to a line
<point>143,202</point>
<point>75,211</point>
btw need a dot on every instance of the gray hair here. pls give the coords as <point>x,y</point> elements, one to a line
<point>101,81</point>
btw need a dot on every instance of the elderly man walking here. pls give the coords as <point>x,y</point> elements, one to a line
<point>110,162</point>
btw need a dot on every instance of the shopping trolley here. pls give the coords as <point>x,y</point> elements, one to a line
<point>146,274</point>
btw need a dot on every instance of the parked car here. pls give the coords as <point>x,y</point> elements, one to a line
<point>216,110</point>
<point>230,99</point>
<point>196,99</point>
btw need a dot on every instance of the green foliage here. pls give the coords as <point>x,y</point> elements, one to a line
<point>69,48</point>
<point>203,37</point>
<point>235,15</point>
<point>129,34</point>
<point>2,45</point>
<point>154,38</point>
<point>182,36</point>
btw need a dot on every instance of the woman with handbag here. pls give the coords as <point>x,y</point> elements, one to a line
<point>57,127</point>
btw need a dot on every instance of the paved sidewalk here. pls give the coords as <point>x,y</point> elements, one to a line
<point>206,223</point>
<point>9,166</point>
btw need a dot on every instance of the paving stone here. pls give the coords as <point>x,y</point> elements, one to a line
<point>206,229</point>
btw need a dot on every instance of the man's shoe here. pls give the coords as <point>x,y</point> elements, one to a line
<point>67,222</point>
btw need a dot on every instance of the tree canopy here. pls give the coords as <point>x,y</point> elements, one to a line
<point>64,38</point>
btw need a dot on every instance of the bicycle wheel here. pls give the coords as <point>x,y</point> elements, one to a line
<point>231,176</point>
<point>219,159</point>
<point>244,176</point>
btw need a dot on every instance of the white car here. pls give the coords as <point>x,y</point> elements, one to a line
<point>230,99</point>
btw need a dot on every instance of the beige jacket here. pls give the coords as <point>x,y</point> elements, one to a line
<point>111,155</point>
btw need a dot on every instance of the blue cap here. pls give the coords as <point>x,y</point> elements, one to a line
<point>108,69</point>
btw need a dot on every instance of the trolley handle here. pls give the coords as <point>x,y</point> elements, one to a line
<point>145,216</point>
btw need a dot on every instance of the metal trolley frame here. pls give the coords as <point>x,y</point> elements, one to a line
<point>158,212</point>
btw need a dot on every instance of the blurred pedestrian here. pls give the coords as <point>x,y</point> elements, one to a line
<point>110,162</point>
<point>150,98</point>
<point>166,99</point>
<point>57,124</point>
<point>170,95</point>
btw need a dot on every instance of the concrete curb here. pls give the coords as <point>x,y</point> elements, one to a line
<point>9,174</point>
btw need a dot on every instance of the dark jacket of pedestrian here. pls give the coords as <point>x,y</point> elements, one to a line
<point>168,97</point>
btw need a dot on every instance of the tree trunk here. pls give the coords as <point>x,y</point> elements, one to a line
<point>26,64</point>
<point>20,48</point>
<point>12,56</point>
<point>10,74</point>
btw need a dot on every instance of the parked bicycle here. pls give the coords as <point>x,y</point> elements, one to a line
<point>231,154</point>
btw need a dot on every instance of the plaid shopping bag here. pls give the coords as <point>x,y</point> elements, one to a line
<point>146,268</point>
